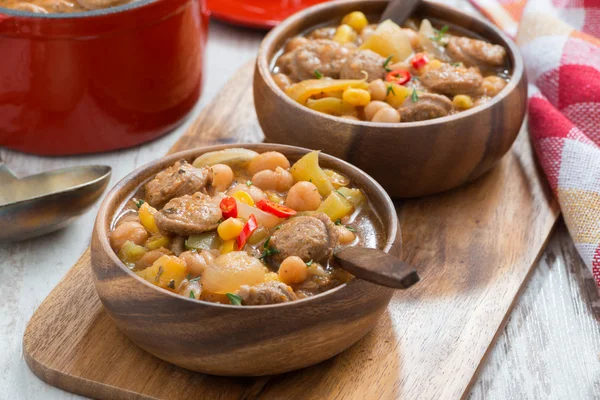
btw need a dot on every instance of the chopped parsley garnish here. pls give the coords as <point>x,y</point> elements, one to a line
<point>386,62</point>
<point>456,64</point>
<point>160,272</point>
<point>318,75</point>
<point>268,252</point>
<point>390,89</point>
<point>139,203</point>
<point>192,295</point>
<point>439,34</point>
<point>308,264</point>
<point>266,243</point>
<point>351,228</point>
<point>338,221</point>
<point>234,299</point>
<point>196,279</point>
<point>248,183</point>
<point>414,96</point>
<point>340,193</point>
<point>171,284</point>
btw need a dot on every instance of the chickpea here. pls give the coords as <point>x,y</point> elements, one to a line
<point>303,196</point>
<point>346,236</point>
<point>282,80</point>
<point>196,263</point>
<point>294,43</point>
<point>386,115</point>
<point>269,160</point>
<point>378,90</point>
<point>373,107</point>
<point>133,231</point>
<point>148,259</point>
<point>279,180</point>
<point>293,270</point>
<point>492,85</point>
<point>254,192</point>
<point>222,177</point>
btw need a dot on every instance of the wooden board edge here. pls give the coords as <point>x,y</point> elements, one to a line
<point>510,308</point>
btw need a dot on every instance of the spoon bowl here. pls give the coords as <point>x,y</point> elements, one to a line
<point>40,204</point>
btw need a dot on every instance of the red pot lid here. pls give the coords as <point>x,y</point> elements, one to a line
<point>263,14</point>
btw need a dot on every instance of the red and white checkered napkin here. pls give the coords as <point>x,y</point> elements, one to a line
<point>559,40</point>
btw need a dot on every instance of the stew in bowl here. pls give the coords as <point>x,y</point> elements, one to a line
<point>387,73</point>
<point>243,228</point>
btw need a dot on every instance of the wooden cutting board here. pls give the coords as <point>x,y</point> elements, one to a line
<point>474,248</point>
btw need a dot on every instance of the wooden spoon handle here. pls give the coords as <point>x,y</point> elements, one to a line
<point>399,10</point>
<point>376,267</point>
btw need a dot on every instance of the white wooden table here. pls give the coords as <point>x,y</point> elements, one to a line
<point>550,348</point>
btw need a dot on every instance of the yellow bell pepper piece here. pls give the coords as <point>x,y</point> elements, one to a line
<point>336,206</point>
<point>146,214</point>
<point>354,196</point>
<point>156,242</point>
<point>167,272</point>
<point>304,90</point>
<point>331,106</point>
<point>307,169</point>
<point>357,20</point>
<point>131,252</point>
<point>244,197</point>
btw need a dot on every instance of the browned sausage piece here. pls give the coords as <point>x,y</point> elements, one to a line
<point>451,80</point>
<point>272,292</point>
<point>308,237</point>
<point>429,106</point>
<point>473,52</point>
<point>178,180</point>
<point>189,215</point>
<point>323,55</point>
<point>364,60</point>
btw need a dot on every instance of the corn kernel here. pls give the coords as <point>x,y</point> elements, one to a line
<point>227,246</point>
<point>244,197</point>
<point>271,276</point>
<point>230,228</point>
<point>356,97</point>
<point>356,20</point>
<point>156,242</point>
<point>146,215</point>
<point>344,34</point>
<point>462,101</point>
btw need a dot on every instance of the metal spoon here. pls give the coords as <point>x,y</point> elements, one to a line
<point>39,204</point>
<point>377,267</point>
<point>399,10</point>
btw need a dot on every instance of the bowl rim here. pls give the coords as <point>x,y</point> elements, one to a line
<point>263,65</point>
<point>103,219</point>
<point>79,14</point>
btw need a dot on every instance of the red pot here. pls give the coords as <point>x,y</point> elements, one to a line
<point>102,80</point>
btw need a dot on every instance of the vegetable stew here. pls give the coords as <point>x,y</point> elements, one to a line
<point>387,73</point>
<point>238,227</point>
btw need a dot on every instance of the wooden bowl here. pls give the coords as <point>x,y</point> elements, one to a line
<point>230,340</point>
<point>408,159</point>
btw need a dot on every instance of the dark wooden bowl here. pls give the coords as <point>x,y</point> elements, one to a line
<point>407,159</point>
<point>229,340</point>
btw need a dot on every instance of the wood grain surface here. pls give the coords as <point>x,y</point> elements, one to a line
<point>473,248</point>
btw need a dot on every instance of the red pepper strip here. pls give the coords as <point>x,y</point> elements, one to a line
<point>228,208</point>
<point>398,76</point>
<point>277,210</point>
<point>247,230</point>
<point>419,60</point>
